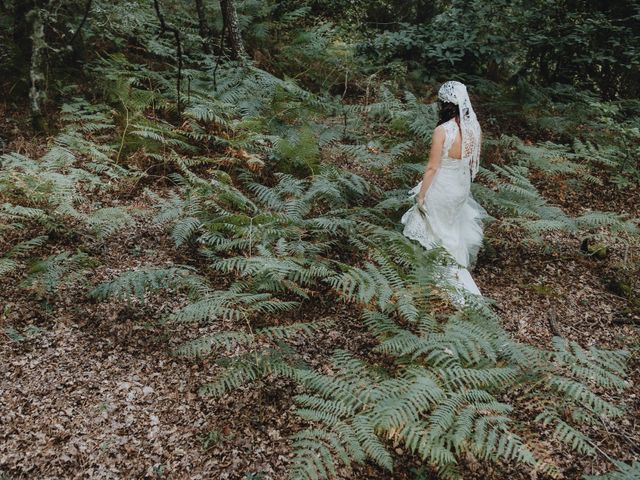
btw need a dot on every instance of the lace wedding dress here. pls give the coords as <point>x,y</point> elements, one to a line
<point>451,217</point>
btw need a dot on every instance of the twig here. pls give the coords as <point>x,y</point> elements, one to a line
<point>551,317</point>
<point>124,132</point>
<point>626,321</point>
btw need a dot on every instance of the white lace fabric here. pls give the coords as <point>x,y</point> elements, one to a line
<point>450,132</point>
<point>456,93</point>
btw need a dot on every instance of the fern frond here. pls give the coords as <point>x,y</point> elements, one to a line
<point>137,283</point>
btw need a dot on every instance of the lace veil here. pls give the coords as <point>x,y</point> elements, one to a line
<point>456,93</point>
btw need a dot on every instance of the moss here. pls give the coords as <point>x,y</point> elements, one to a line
<point>542,289</point>
<point>598,250</point>
<point>623,287</point>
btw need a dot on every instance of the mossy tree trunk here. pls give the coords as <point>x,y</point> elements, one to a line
<point>230,18</point>
<point>37,91</point>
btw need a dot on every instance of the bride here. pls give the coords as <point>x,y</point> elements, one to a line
<point>445,212</point>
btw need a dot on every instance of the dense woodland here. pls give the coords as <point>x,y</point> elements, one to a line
<point>202,269</point>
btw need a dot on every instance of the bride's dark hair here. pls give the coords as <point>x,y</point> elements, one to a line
<point>447,111</point>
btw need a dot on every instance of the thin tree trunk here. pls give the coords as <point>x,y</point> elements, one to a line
<point>164,27</point>
<point>37,92</point>
<point>87,10</point>
<point>230,18</point>
<point>205,33</point>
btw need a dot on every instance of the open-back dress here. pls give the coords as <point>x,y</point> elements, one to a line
<point>453,217</point>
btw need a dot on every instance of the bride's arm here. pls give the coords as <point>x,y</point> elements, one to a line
<point>435,155</point>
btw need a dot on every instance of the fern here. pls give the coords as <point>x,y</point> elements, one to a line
<point>249,368</point>
<point>107,221</point>
<point>623,471</point>
<point>566,433</point>
<point>441,399</point>
<point>230,305</point>
<point>49,275</point>
<point>8,264</point>
<point>277,225</point>
<point>137,283</point>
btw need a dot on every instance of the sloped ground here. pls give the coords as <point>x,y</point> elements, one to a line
<point>540,295</point>
<point>93,391</point>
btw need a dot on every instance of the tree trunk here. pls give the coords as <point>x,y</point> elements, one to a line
<point>230,18</point>
<point>37,92</point>
<point>205,33</point>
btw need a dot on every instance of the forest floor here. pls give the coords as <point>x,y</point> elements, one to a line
<point>91,390</point>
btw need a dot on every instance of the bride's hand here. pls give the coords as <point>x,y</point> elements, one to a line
<point>420,202</point>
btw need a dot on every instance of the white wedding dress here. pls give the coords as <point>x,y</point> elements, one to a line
<point>452,218</point>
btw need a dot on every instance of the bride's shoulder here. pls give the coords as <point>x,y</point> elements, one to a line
<point>438,133</point>
<point>446,126</point>
<point>443,127</point>
<point>441,132</point>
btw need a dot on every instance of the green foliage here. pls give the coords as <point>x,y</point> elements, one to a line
<point>47,276</point>
<point>260,206</point>
<point>516,201</point>
<point>137,283</point>
<point>440,398</point>
<point>300,154</point>
<point>29,332</point>
<point>8,263</point>
<point>505,41</point>
<point>623,472</point>
<point>333,59</point>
